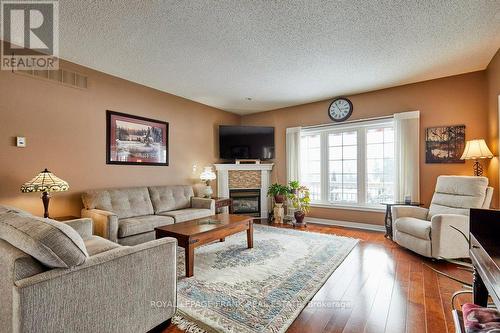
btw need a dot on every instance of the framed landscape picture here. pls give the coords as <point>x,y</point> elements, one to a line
<point>135,140</point>
<point>444,144</point>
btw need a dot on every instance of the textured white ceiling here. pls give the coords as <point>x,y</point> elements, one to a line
<point>278,53</point>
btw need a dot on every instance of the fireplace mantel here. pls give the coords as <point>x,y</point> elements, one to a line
<point>263,166</point>
<point>265,178</point>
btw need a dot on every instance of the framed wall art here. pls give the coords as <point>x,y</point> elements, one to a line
<point>135,140</point>
<point>444,144</point>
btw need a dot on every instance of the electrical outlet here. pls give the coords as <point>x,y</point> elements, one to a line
<point>21,141</point>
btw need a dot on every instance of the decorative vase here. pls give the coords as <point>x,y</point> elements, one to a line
<point>279,198</point>
<point>407,199</point>
<point>279,213</point>
<point>299,217</point>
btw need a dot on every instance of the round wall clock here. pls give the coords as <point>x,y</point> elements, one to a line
<point>340,109</point>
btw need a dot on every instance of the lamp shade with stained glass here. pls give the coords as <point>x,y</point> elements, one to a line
<point>45,182</point>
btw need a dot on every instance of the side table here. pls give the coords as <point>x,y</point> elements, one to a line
<point>223,202</point>
<point>388,214</point>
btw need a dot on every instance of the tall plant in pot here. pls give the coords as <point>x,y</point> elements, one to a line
<point>279,192</point>
<point>293,185</point>
<point>301,201</point>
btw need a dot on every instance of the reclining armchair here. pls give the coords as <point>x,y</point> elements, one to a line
<point>434,232</point>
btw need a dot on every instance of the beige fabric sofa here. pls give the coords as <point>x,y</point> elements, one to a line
<point>115,289</point>
<point>128,216</point>
<point>430,232</point>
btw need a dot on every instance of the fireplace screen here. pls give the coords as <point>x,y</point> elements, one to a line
<point>246,202</point>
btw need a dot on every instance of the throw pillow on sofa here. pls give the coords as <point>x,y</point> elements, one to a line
<point>52,243</point>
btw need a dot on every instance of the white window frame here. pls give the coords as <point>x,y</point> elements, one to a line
<point>361,127</point>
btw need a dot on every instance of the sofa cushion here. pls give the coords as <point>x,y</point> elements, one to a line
<point>124,202</point>
<point>457,194</point>
<point>187,214</point>
<point>415,227</point>
<point>96,245</point>
<point>140,224</point>
<point>137,239</point>
<point>166,198</point>
<point>52,243</point>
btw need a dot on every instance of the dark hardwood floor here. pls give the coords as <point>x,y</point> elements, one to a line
<point>380,287</point>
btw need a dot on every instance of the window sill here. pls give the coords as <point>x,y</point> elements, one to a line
<point>374,209</point>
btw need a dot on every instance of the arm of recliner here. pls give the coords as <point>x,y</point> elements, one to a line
<point>83,226</point>
<point>447,242</point>
<point>138,280</point>
<point>105,223</point>
<point>204,203</point>
<point>409,211</point>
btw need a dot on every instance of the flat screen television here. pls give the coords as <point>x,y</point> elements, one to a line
<point>246,142</point>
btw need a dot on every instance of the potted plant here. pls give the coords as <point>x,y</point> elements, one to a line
<point>300,199</point>
<point>279,192</point>
<point>293,185</point>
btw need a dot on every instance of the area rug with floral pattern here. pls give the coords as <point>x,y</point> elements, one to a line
<point>236,289</point>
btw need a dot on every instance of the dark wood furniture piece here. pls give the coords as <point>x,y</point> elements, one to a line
<point>191,234</point>
<point>485,255</point>
<point>223,202</point>
<point>388,214</point>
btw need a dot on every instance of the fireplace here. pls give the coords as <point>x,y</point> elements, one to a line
<point>247,184</point>
<point>246,201</point>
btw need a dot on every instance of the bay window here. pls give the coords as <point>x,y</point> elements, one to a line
<point>310,161</point>
<point>342,167</point>
<point>349,165</point>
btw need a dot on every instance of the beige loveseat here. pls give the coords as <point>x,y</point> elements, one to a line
<point>128,216</point>
<point>436,232</point>
<point>58,277</point>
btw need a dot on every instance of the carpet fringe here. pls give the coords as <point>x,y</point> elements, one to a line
<point>187,325</point>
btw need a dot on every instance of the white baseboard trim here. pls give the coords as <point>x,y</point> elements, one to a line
<point>347,224</point>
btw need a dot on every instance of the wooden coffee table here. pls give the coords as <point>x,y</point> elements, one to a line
<point>193,233</point>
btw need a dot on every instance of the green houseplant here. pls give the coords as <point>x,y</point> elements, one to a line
<point>293,185</point>
<point>279,192</point>
<point>300,199</point>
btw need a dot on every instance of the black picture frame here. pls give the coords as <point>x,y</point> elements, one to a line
<point>153,126</point>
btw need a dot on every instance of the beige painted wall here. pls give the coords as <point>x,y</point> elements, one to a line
<point>460,99</point>
<point>493,78</point>
<point>65,131</point>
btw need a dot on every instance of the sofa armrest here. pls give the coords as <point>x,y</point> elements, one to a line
<point>165,247</point>
<point>139,281</point>
<point>409,211</point>
<point>83,226</point>
<point>204,203</point>
<point>14,264</point>
<point>447,242</point>
<point>105,223</point>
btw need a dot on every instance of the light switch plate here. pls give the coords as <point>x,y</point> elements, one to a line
<point>21,141</point>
